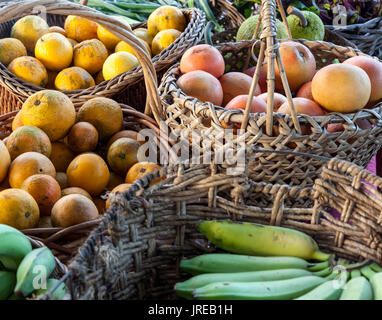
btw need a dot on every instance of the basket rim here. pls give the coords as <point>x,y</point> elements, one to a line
<point>168,88</point>
<point>196,18</point>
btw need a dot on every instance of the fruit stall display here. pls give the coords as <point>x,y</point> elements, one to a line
<point>202,226</point>
<point>210,89</point>
<point>85,53</point>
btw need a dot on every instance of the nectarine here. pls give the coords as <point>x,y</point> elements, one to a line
<point>202,86</point>
<point>305,91</point>
<point>278,99</point>
<point>262,77</point>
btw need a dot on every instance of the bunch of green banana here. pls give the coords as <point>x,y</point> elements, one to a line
<point>374,274</point>
<point>259,240</point>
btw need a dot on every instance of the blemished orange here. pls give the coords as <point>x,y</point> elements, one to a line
<point>5,161</point>
<point>30,70</point>
<point>57,29</point>
<point>17,121</point>
<point>90,55</point>
<point>124,46</point>
<point>62,180</point>
<point>51,111</point>
<point>61,156</point>
<point>139,169</point>
<point>45,190</point>
<point>125,134</point>
<point>120,188</point>
<point>28,138</point>
<point>90,172</point>
<point>163,40</point>
<point>75,190</point>
<point>73,78</point>
<point>166,17</point>
<point>29,164</point>
<point>83,137</point>
<point>54,51</point>
<point>114,181</point>
<point>118,63</point>
<point>73,209</point>
<point>18,209</point>
<point>80,29</point>
<point>11,49</point>
<point>122,154</point>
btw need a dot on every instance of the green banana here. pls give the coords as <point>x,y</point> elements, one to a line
<point>358,288</point>
<point>375,267</point>
<point>259,240</point>
<point>324,272</point>
<point>268,290</point>
<point>36,266</point>
<point>57,294</point>
<point>229,263</point>
<point>7,284</point>
<point>326,291</point>
<point>375,279</point>
<point>184,289</point>
<point>14,246</point>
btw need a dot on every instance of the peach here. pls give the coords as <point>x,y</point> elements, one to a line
<point>305,91</point>
<point>278,99</point>
<point>262,77</point>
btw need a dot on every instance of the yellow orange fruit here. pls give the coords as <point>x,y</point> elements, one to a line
<point>18,209</point>
<point>75,190</point>
<point>73,209</point>
<point>72,42</point>
<point>29,164</point>
<point>125,134</point>
<point>122,154</point>
<point>114,181</point>
<point>73,78</point>
<point>143,34</point>
<point>107,38</point>
<point>90,55</point>
<point>124,46</point>
<point>166,17</point>
<point>11,49</point>
<point>28,30</point>
<point>62,180</point>
<point>164,39</point>
<point>90,172</point>
<point>83,137</point>
<point>61,156</point>
<point>51,111</point>
<point>103,113</point>
<point>5,161</point>
<point>28,138</point>
<point>30,70</point>
<point>121,188</point>
<point>139,169</point>
<point>45,190</point>
<point>57,29</point>
<point>17,121</point>
<point>54,51</point>
<point>118,63</point>
<point>80,29</point>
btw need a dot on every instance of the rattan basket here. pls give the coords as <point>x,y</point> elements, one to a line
<point>126,88</point>
<point>135,252</point>
<point>274,131</point>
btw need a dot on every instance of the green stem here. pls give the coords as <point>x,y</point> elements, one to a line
<point>324,272</point>
<point>359,265</point>
<point>321,256</point>
<point>318,266</point>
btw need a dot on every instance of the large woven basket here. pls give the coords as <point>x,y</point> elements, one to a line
<point>135,252</point>
<point>187,116</point>
<point>126,88</point>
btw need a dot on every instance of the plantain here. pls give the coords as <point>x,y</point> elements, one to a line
<point>259,240</point>
<point>375,279</point>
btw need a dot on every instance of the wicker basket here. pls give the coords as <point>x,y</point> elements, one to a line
<point>366,36</point>
<point>187,116</point>
<point>136,250</point>
<point>64,242</point>
<point>226,14</point>
<point>126,88</point>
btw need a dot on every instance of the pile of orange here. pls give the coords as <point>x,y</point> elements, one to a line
<point>59,166</point>
<point>83,53</point>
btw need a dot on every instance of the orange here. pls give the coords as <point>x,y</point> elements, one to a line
<point>51,111</point>
<point>18,209</point>
<point>28,138</point>
<point>118,63</point>
<point>5,161</point>
<point>100,204</point>
<point>103,113</point>
<point>83,137</point>
<point>115,180</point>
<point>54,51</point>
<point>124,46</point>
<point>80,29</point>
<point>121,188</point>
<point>30,70</point>
<point>17,121</point>
<point>125,134</point>
<point>166,17</point>
<point>73,209</point>
<point>90,55</point>
<point>11,49</point>
<point>139,169</point>
<point>73,42</point>
<point>122,154</point>
<point>62,180</point>
<point>45,190</point>
<point>57,29</point>
<point>90,172</point>
<point>75,190</point>
<point>164,39</point>
<point>143,34</point>
<point>28,30</point>
<point>107,38</point>
<point>29,164</point>
<point>73,78</point>
<point>61,156</point>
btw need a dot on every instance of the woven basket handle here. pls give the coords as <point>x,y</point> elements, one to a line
<point>118,27</point>
<point>269,52</point>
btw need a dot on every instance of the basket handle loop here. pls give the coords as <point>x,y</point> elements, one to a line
<point>269,51</point>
